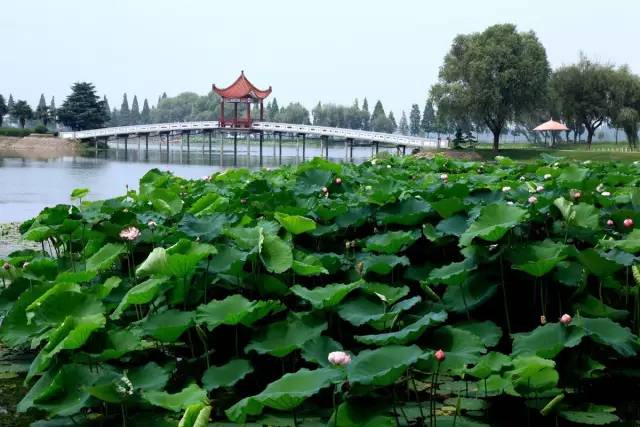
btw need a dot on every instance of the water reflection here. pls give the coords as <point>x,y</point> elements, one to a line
<point>29,185</point>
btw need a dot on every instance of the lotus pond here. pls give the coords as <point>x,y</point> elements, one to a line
<point>447,293</point>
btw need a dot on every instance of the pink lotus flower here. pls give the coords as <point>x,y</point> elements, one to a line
<point>565,319</point>
<point>440,355</point>
<point>339,358</point>
<point>628,223</point>
<point>444,177</point>
<point>338,181</point>
<point>539,188</point>
<point>206,178</point>
<point>130,234</point>
<point>576,195</point>
<point>325,190</point>
<point>610,222</point>
<point>533,200</point>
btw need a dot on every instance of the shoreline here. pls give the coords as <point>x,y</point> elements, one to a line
<point>11,240</point>
<point>38,147</point>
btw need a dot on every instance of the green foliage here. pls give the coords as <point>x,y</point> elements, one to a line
<point>82,109</point>
<point>226,312</point>
<point>15,132</point>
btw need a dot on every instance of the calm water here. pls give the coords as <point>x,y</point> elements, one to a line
<point>30,185</point>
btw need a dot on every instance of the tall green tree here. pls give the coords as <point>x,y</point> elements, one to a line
<point>273,111</point>
<point>22,112</point>
<point>124,114</point>
<point>145,115</point>
<point>491,78</point>
<point>135,111</point>
<point>404,125</point>
<point>586,91</point>
<point>107,109</point>
<point>366,116</point>
<point>10,104</point>
<point>42,111</point>
<point>3,109</point>
<point>53,111</point>
<point>428,118</point>
<point>378,111</point>
<point>414,120</point>
<point>82,109</point>
<point>392,122</point>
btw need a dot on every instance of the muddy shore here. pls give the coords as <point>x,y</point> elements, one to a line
<point>38,147</point>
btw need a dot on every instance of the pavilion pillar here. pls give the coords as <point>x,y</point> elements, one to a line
<point>235,114</point>
<point>261,111</point>
<point>221,112</point>
<point>221,148</point>
<point>235,145</point>
<point>261,141</point>
<point>304,146</point>
<point>248,114</point>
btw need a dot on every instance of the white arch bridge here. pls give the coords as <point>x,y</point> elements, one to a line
<point>258,128</point>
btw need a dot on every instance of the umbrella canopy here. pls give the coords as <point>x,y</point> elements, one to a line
<point>551,126</point>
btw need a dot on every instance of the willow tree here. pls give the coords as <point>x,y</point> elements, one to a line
<point>492,78</point>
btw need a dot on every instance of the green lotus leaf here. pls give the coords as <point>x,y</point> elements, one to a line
<point>150,376</point>
<point>317,350</point>
<point>539,258</point>
<point>593,415</point>
<point>276,254</point>
<point>453,274</point>
<point>487,331</point>
<point>591,306</point>
<point>596,263</point>
<point>104,289</point>
<point>168,325</point>
<point>354,217</point>
<point>309,265</point>
<point>607,332</point>
<point>295,224</point>
<point>207,227</point>
<point>382,366</point>
<point>79,193</point>
<point>391,294</point>
<point>281,338</point>
<point>381,264</point>
<point>196,415</point>
<point>532,374</point>
<point>489,364</point>
<point>38,233</point>
<point>166,202</point>
<point>325,296</point>
<point>462,348</point>
<point>105,257</point>
<point>190,395</point>
<point>312,181</point>
<point>155,264</point>
<point>406,212</point>
<point>448,207</point>
<point>630,243</point>
<point>143,293</point>
<point>572,175</point>
<point>226,375</point>
<point>361,310</point>
<point>407,334</point>
<point>350,414</point>
<point>228,260</point>
<point>547,340</point>
<point>392,242</point>
<point>493,223</point>
<point>286,393</point>
<point>119,342</point>
<point>581,215</point>
<point>233,310</point>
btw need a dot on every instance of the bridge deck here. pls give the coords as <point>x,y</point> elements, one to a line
<point>392,139</point>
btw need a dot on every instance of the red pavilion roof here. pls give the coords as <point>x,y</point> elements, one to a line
<point>242,88</point>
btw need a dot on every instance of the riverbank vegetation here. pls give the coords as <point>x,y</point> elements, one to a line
<point>396,292</point>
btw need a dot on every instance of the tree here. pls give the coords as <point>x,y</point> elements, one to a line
<point>378,111</point>
<point>22,111</point>
<point>124,113</point>
<point>273,111</point>
<point>42,111</point>
<point>107,110</point>
<point>82,109</point>
<point>414,120</point>
<point>585,91</point>
<point>10,105</point>
<point>404,126</point>
<point>3,109</point>
<point>135,111</point>
<point>366,116</point>
<point>628,119</point>
<point>491,78</point>
<point>294,113</point>
<point>145,116</point>
<point>53,111</point>
<point>428,118</point>
<point>392,123</point>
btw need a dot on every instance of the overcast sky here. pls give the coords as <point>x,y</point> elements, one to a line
<point>329,50</point>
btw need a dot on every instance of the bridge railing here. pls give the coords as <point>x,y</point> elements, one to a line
<point>139,129</point>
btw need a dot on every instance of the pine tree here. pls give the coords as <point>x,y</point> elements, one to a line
<point>404,126</point>
<point>124,114</point>
<point>273,113</point>
<point>164,95</point>
<point>42,111</point>
<point>378,111</point>
<point>392,121</point>
<point>3,109</point>
<point>107,109</point>
<point>135,112</point>
<point>366,116</point>
<point>414,120</point>
<point>83,109</point>
<point>115,118</point>
<point>53,111</point>
<point>145,116</point>
<point>428,118</point>
<point>10,105</point>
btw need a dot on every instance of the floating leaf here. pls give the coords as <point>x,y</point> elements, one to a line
<point>226,375</point>
<point>382,366</point>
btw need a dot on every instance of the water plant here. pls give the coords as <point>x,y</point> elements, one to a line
<point>396,292</point>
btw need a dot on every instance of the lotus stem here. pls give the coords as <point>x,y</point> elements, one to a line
<point>504,296</point>
<point>415,389</point>
<point>395,410</point>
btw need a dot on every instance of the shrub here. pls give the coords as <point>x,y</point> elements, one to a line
<point>15,132</point>
<point>447,284</point>
<point>40,128</point>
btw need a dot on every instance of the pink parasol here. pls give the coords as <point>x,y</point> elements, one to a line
<point>551,126</point>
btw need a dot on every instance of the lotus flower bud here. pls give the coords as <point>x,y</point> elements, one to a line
<point>444,177</point>
<point>565,319</point>
<point>533,200</point>
<point>325,190</point>
<point>440,355</point>
<point>605,193</point>
<point>506,189</point>
<point>547,176</point>
<point>151,224</point>
<point>539,188</point>
<point>339,358</point>
<point>628,223</point>
<point>610,222</point>
<point>576,195</point>
<point>338,180</point>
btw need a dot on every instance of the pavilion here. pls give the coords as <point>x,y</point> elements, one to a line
<point>241,91</point>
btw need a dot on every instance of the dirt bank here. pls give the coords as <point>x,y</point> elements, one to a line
<point>37,147</point>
